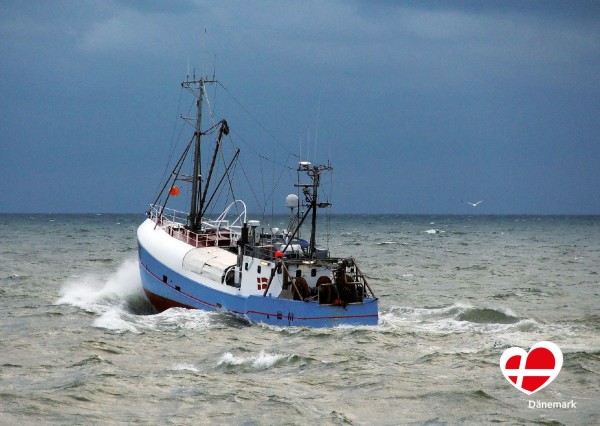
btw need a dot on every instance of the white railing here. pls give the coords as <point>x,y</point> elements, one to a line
<point>174,222</point>
<point>167,215</point>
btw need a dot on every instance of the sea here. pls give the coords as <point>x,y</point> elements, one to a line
<point>80,344</point>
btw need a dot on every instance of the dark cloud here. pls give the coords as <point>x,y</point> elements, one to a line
<point>419,104</point>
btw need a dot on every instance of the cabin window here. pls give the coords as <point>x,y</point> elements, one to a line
<point>298,273</point>
<point>258,269</point>
<point>246,266</point>
<point>313,273</point>
<point>165,279</point>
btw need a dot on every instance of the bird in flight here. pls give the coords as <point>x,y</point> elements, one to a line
<point>473,204</point>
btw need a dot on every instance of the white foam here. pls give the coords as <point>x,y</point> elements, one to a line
<point>179,318</point>
<point>113,319</point>
<point>185,367</point>
<point>96,294</point>
<point>228,359</point>
<point>266,360</point>
<point>263,361</point>
<point>446,319</point>
<point>106,296</point>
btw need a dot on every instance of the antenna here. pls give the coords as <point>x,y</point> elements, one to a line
<point>317,128</point>
<point>308,143</point>
<point>203,55</point>
<point>214,66</point>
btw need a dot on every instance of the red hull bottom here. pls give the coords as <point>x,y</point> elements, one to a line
<point>162,304</point>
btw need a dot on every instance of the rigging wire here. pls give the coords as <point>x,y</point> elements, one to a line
<point>230,184</point>
<point>174,176</point>
<point>276,182</point>
<point>284,168</point>
<point>262,178</point>
<point>230,172</point>
<point>256,121</point>
<point>221,189</point>
<point>328,209</point>
<point>258,154</point>
<point>251,188</point>
<point>210,109</point>
<point>174,142</point>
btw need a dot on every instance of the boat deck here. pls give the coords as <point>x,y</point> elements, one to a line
<point>213,238</point>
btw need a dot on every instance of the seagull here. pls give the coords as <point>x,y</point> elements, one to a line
<point>473,204</point>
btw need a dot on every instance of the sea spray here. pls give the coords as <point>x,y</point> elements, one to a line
<point>97,294</point>
<point>114,298</point>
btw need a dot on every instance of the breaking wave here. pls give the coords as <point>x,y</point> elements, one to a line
<point>262,361</point>
<point>116,299</point>
<point>488,316</point>
<point>185,367</point>
<point>96,294</point>
<point>457,317</point>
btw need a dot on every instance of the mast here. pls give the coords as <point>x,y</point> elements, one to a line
<point>195,216</point>
<point>313,227</point>
<point>197,177</point>
<point>310,192</point>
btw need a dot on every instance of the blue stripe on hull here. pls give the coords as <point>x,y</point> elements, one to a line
<point>187,293</point>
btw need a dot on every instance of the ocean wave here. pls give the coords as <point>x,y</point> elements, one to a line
<point>488,316</point>
<point>176,319</point>
<point>457,317</point>
<point>262,361</point>
<point>90,361</point>
<point>185,367</point>
<point>116,319</point>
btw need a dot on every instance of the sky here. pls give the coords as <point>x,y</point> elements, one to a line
<point>418,105</point>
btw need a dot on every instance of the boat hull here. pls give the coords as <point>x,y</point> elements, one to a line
<point>167,288</point>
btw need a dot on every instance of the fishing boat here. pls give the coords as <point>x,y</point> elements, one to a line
<point>232,264</point>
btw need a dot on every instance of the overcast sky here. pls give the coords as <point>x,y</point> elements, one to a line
<point>417,104</point>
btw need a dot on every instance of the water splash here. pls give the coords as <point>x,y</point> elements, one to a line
<point>261,362</point>
<point>113,297</point>
<point>97,294</point>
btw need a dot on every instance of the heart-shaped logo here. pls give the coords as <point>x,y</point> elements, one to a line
<point>533,371</point>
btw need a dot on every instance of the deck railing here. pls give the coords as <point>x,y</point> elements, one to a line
<point>214,232</point>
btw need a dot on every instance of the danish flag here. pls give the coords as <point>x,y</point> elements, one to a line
<point>262,283</point>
